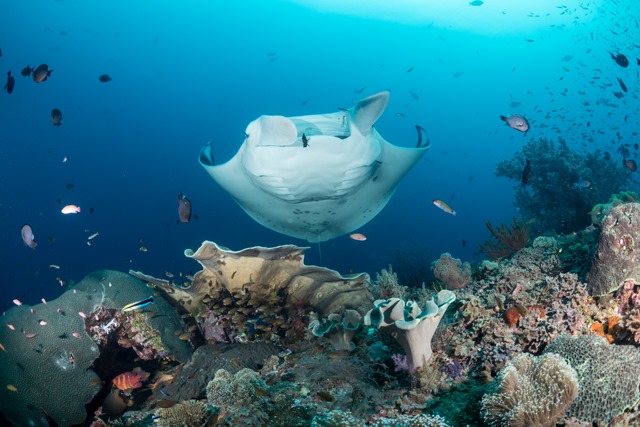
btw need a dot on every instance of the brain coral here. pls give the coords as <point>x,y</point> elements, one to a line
<point>533,391</point>
<point>53,369</point>
<point>618,255</point>
<point>609,376</point>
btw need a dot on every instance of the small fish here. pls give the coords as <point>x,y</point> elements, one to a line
<point>622,85</point>
<point>142,249</point>
<point>70,209</point>
<point>358,237</point>
<point>138,304</point>
<point>10,326</point>
<point>16,301</point>
<point>410,69</point>
<point>620,59</point>
<point>27,236</point>
<point>582,183</point>
<point>11,82</point>
<point>168,274</point>
<point>26,71</point>
<point>105,78</point>
<point>184,208</point>
<point>517,122</point>
<point>42,322</point>
<point>81,314</point>
<point>44,301</point>
<point>476,3</point>
<point>305,141</point>
<point>30,335</point>
<point>56,117</point>
<point>41,73</point>
<point>57,267</point>
<point>2,348</point>
<point>12,388</point>
<point>628,163</point>
<point>526,173</point>
<point>93,236</point>
<point>76,334</point>
<point>445,207</point>
<point>185,337</point>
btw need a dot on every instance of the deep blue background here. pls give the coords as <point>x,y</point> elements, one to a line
<point>185,73</point>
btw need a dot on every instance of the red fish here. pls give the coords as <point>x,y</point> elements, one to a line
<point>130,380</point>
<point>184,208</point>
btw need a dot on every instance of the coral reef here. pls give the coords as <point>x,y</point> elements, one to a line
<point>601,209</point>
<point>64,350</point>
<point>451,271</point>
<point>533,391</point>
<point>337,418</point>
<point>564,184</point>
<point>608,375</point>
<point>387,285</point>
<point>618,255</point>
<point>411,325</point>
<point>338,329</point>
<point>190,413</point>
<point>264,293</point>
<point>240,397</point>
<point>506,240</point>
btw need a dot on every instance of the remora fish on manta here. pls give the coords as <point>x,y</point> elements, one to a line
<point>321,193</point>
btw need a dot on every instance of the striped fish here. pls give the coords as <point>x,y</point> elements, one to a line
<point>138,304</point>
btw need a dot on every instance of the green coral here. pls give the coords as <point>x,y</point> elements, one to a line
<point>608,375</point>
<point>551,196</point>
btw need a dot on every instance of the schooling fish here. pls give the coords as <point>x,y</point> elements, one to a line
<point>620,59</point>
<point>184,208</point>
<point>105,78</point>
<point>26,71</point>
<point>138,304</point>
<point>526,173</point>
<point>517,122</point>
<point>41,73</point>
<point>11,82</point>
<point>56,117</point>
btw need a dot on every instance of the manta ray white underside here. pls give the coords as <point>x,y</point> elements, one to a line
<point>316,177</point>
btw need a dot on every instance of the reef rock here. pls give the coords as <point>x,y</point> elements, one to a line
<point>50,363</point>
<point>617,258</point>
<point>271,272</point>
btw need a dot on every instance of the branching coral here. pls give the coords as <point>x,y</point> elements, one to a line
<point>507,240</point>
<point>564,184</point>
<point>452,271</point>
<point>532,392</point>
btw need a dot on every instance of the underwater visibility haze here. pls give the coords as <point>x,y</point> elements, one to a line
<point>461,161</point>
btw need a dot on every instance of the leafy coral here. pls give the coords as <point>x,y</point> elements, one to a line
<point>564,184</point>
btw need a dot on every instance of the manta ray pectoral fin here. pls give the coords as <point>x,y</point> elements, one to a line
<point>423,138</point>
<point>368,111</point>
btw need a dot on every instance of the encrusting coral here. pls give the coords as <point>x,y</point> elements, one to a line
<point>618,255</point>
<point>190,413</point>
<point>608,375</point>
<point>411,325</point>
<point>532,392</point>
<point>452,271</point>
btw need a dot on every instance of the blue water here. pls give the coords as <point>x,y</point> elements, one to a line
<point>185,73</point>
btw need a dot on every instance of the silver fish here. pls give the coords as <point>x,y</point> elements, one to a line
<point>517,122</point>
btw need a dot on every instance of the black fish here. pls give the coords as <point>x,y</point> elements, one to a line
<point>26,71</point>
<point>56,117</point>
<point>622,85</point>
<point>620,59</point>
<point>305,140</point>
<point>618,94</point>
<point>105,78</point>
<point>41,73</point>
<point>11,82</point>
<point>526,173</point>
<point>184,208</point>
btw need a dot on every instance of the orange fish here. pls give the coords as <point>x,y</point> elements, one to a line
<point>130,380</point>
<point>17,301</point>
<point>445,207</point>
<point>44,301</point>
<point>12,388</point>
<point>84,316</point>
<point>13,328</point>
<point>70,209</point>
<point>358,236</point>
<point>2,348</point>
<point>76,334</point>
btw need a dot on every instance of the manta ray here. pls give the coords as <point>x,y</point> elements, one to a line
<point>316,177</point>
